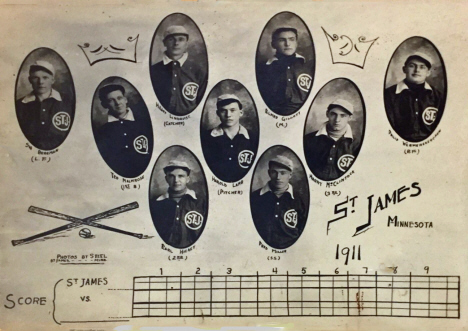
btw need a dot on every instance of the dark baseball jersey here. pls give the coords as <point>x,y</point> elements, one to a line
<point>285,82</point>
<point>45,123</point>
<point>279,221</point>
<point>327,158</point>
<point>179,85</point>
<point>229,159</point>
<point>413,113</point>
<point>179,224</point>
<point>126,144</point>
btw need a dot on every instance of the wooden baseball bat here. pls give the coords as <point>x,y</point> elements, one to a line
<point>96,217</point>
<point>49,213</point>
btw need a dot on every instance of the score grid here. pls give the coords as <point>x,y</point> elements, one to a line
<point>272,295</point>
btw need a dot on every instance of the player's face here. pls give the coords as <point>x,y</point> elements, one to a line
<point>230,114</point>
<point>416,71</point>
<point>177,180</point>
<point>337,119</point>
<point>116,103</point>
<point>279,176</point>
<point>41,81</point>
<point>176,45</point>
<point>285,43</point>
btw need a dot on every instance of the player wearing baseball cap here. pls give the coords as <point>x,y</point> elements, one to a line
<point>179,215</point>
<point>285,80</point>
<point>178,81</point>
<point>45,115</point>
<point>126,140</point>
<point>330,151</point>
<point>278,212</point>
<point>229,148</point>
<point>413,106</point>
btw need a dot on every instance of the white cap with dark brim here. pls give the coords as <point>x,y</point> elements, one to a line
<point>283,161</point>
<point>177,164</point>
<point>225,97</point>
<point>175,30</point>
<point>346,105</point>
<point>422,57</point>
<point>43,65</point>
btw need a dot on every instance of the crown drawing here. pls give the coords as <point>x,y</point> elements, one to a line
<point>344,50</point>
<point>125,51</point>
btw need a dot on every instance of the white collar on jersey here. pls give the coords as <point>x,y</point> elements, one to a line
<point>401,86</point>
<point>323,131</point>
<point>267,188</point>
<point>128,117</point>
<point>274,58</point>
<point>167,59</point>
<point>32,97</point>
<point>218,131</point>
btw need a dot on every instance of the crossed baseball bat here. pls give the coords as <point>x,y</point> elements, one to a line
<point>77,222</point>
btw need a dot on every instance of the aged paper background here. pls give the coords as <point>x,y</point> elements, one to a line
<point>77,181</point>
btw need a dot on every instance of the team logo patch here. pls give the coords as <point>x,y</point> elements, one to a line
<point>189,91</point>
<point>245,158</point>
<point>290,218</point>
<point>61,121</point>
<point>429,115</point>
<point>193,220</point>
<point>141,144</point>
<point>345,162</point>
<point>304,81</point>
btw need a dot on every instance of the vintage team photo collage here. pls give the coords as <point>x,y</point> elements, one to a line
<point>414,93</point>
<point>218,164</point>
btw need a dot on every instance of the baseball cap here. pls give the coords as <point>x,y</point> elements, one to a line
<point>174,30</point>
<point>283,161</point>
<point>422,57</point>
<point>222,99</point>
<point>177,164</point>
<point>343,104</point>
<point>43,65</point>
<point>283,29</point>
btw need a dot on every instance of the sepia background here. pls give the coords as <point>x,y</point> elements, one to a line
<point>134,99</point>
<point>305,45</point>
<point>339,88</point>
<point>298,179</point>
<point>63,78</point>
<point>159,185</point>
<point>249,119</point>
<point>408,47</point>
<point>196,48</point>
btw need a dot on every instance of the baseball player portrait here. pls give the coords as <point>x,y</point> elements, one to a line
<point>122,127</point>
<point>334,129</point>
<point>229,146</point>
<point>280,197</point>
<point>178,64</point>
<point>415,89</point>
<point>45,108</point>
<point>285,64</point>
<point>178,204</point>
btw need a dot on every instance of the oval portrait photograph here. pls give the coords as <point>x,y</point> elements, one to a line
<point>45,99</point>
<point>178,197</point>
<point>178,64</point>
<point>122,127</point>
<point>285,63</point>
<point>415,89</point>
<point>334,129</point>
<point>229,131</point>
<point>279,198</point>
